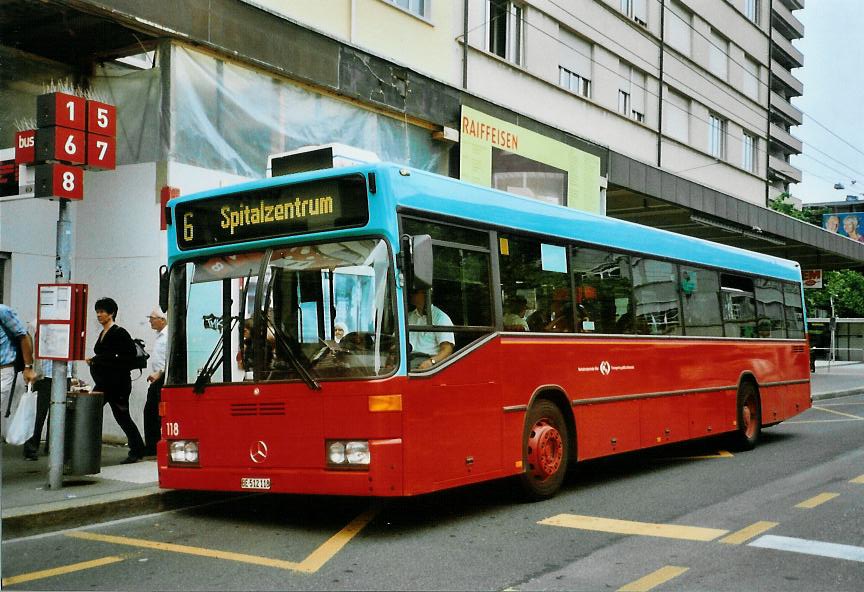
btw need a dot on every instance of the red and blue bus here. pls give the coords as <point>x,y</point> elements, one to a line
<point>300,330</point>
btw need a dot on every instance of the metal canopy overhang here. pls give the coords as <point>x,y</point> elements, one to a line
<point>61,32</point>
<point>646,195</point>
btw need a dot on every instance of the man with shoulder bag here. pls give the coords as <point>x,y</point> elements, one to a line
<point>13,337</point>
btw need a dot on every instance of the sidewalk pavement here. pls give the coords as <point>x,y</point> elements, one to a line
<point>29,507</point>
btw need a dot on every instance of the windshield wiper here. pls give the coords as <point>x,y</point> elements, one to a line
<point>217,356</point>
<point>214,360</point>
<point>293,356</point>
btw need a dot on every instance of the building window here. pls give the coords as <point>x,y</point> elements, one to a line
<point>623,102</point>
<point>676,116</point>
<point>574,70</point>
<point>717,136</point>
<point>631,92</point>
<point>748,156</point>
<point>418,7</point>
<point>750,83</point>
<point>636,10</point>
<point>505,30</point>
<point>751,10</point>
<point>678,27</point>
<point>574,82</point>
<point>718,55</point>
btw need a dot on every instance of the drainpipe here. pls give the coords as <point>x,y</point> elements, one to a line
<point>465,44</point>
<point>660,94</point>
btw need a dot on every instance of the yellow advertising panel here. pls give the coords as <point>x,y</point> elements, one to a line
<point>502,155</point>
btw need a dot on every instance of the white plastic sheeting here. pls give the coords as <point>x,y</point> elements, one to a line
<point>230,118</point>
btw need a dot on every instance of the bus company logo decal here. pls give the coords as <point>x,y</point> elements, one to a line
<point>258,451</point>
<point>606,368</point>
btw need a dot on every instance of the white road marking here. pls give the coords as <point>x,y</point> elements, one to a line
<point>807,547</point>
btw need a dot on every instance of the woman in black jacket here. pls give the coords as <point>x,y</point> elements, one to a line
<point>114,354</point>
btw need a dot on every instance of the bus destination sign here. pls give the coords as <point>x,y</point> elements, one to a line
<point>272,212</point>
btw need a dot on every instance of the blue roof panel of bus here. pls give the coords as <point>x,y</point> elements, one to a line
<point>444,196</point>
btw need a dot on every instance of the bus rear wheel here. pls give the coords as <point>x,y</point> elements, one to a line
<point>749,417</point>
<point>545,451</point>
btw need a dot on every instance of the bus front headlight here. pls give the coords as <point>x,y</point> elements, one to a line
<point>183,452</point>
<point>347,454</point>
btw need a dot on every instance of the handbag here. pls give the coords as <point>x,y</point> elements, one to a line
<point>23,421</point>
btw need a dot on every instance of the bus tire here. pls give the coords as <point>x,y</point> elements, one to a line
<point>545,451</point>
<point>749,415</point>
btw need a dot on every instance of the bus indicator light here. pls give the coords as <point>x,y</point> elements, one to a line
<point>385,403</point>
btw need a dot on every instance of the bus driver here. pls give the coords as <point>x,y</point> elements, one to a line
<point>428,347</point>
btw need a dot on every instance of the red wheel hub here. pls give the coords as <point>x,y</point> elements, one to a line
<point>748,417</point>
<point>545,450</point>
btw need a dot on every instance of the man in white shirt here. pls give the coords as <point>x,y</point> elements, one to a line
<point>156,378</point>
<point>428,347</point>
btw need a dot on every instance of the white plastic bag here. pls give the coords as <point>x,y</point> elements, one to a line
<point>24,419</point>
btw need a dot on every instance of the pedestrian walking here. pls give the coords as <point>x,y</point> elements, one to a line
<point>156,378</point>
<point>42,386</point>
<point>13,336</point>
<point>114,355</point>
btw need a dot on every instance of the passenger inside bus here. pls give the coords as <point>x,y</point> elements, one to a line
<point>428,347</point>
<point>561,319</point>
<point>514,317</point>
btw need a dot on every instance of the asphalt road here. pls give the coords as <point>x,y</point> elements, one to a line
<point>787,516</point>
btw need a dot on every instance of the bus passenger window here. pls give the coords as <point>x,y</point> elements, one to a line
<point>769,309</point>
<point>604,290</point>
<point>739,305</point>
<point>700,290</point>
<point>794,310</point>
<point>537,273</point>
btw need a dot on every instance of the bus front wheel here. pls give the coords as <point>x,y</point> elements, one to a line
<point>545,451</point>
<point>749,417</point>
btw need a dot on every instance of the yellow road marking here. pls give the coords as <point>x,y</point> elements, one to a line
<point>654,579</point>
<point>816,500</point>
<point>858,479</point>
<point>669,531</point>
<point>837,412</point>
<point>311,564</point>
<point>59,571</point>
<point>745,534</point>
<point>334,544</point>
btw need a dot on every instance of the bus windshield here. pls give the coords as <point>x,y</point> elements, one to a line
<point>308,312</point>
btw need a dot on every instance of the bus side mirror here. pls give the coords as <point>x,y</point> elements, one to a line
<point>163,288</point>
<point>421,261</point>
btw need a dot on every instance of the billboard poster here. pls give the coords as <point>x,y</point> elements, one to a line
<point>812,278</point>
<point>499,154</point>
<point>848,225</point>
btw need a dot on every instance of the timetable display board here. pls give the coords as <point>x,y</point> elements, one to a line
<point>61,321</point>
<point>271,212</point>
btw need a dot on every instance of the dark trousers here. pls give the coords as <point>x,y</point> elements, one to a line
<point>120,408</point>
<point>43,403</point>
<point>151,416</point>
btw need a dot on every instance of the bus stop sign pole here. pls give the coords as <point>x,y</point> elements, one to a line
<point>57,417</point>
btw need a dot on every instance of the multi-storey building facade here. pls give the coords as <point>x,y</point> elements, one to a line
<point>673,113</point>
